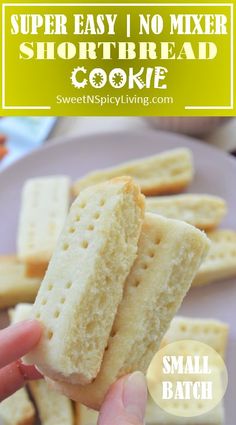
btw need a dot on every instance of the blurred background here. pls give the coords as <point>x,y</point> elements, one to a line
<point>19,135</point>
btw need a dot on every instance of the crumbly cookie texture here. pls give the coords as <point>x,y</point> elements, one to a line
<point>220,262</point>
<point>79,296</point>
<point>44,207</point>
<point>202,211</point>
<point>169,255</point>
<point>168,172</point>
<point>17,409</point>
<point>209,331</point>
<point>15,286</point>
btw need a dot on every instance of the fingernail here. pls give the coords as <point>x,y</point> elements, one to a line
<point>135,395</point>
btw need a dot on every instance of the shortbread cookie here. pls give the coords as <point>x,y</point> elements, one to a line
<point>83,286</point>
<point>45,203</point>
<point>84,415</point>
<point>221,260</point>
<point>156,416</point>
<point>223,236</point>
<point>53,408</point>
<point>17,409</point>
<point>209,331</point>
<point>20,312</point>
<point>167,172</point>
<point>15,287</point>
<point>202,211</point>
<point>169,255</point>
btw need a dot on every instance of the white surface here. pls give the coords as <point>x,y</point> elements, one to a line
<point>215,174</point>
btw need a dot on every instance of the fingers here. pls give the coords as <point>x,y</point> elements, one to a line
<point>29,372</point>
<point>14,376</point>
<point>125,402</point>
<point>17,340</point>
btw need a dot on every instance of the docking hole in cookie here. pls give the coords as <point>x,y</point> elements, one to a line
<point>65,246</point>
<point>157,241</point>
<point>90,326</point>
<point>102,202</point>
<point>137,282</point>
<point>50,334</point>
<point>72,230</point>
<point>183,328</point>
<point>176,171</point>
<point>96,215</point>
<point>84,244</point>
<point>102,299</point>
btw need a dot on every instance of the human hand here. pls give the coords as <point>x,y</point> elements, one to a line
<point>125,402</point>
<point>15,342</point>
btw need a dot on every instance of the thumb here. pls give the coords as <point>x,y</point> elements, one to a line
<point>125,402</point>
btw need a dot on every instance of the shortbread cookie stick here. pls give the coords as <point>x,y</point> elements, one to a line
<point>20,312</point>
<point>83,286</point>
<point>223,236</point>
<point>15,287</point>
<point>45,203</point>
<point>202,211</point>
<point>84,415</point>
<point>167,172</point>
<point>17,409</point>
<point>209,331</point>
<point>169,255</point>
<point>53,408</point>
<point>221,260</point>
